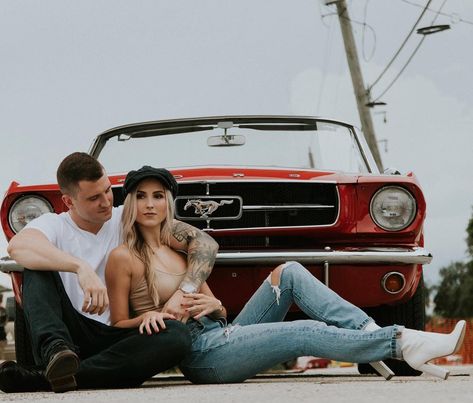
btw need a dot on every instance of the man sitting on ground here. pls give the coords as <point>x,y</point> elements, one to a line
<point>65,301</point>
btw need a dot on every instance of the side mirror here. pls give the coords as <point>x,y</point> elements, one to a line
<point>391,171</point>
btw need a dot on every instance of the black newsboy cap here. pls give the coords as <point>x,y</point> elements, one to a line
<point>161,174</point>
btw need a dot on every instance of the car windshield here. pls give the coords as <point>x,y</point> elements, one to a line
<point>322,146</point>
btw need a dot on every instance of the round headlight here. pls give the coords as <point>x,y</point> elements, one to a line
<point>26,209</point>
<point>393,208</point>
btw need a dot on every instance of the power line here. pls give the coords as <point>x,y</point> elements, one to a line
<point>401,71</point>
<point>412,55</point>
<point>367,59</point>
<point>425,8</point>
<point>322,16</point>
<point>401,47</point>
<point>327,55</point>
<point>364,24</point>
<point>454,17</point>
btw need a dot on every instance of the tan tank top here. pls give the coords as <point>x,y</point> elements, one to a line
<point>140,299</point>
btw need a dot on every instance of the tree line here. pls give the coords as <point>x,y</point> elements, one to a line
<point>454,294</point>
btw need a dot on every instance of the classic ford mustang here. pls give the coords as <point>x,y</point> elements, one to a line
<point>270,189</point>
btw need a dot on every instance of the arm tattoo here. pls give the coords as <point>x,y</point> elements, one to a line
<point>201,252</point>
<point>183,232</point>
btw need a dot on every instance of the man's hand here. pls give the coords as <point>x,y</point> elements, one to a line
<point>199,305</point>
<point>174,307</point>
<point>95,292</point>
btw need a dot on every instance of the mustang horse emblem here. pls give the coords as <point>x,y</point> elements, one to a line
<point>205,208</point>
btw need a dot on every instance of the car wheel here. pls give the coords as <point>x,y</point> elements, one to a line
<point>23,350</point>
<point>410,314</point>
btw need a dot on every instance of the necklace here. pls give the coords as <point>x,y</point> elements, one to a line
<point>154,249</point>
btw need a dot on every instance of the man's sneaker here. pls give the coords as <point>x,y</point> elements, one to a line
<point>62,367</point>
<point>16,379</point>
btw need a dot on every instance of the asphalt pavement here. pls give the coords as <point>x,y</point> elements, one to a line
<point>318,385</point>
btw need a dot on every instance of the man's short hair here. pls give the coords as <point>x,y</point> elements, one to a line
<point>77,167</point>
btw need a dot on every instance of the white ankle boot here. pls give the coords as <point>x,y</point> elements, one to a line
<point>379,366</point>
<point>420,347</point>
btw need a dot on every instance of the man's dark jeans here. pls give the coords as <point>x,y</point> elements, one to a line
<point>110,357</point>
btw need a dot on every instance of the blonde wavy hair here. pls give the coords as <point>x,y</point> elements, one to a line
<point>135,242</point>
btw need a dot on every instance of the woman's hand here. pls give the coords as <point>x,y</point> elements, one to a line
<point>199,305</point>
<point>150,321</point>
<point>174,307</point>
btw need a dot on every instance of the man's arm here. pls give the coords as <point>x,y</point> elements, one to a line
<point>201,253</point>
<point>31,249</point>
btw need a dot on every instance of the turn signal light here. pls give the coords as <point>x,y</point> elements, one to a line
<point>393,282</point>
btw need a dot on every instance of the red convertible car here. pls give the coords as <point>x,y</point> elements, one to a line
<point>269,189</point>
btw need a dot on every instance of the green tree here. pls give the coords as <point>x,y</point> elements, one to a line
<point>454,298</point>
<point>469,238</point>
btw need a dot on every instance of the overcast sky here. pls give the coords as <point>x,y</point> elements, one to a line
<point>72,69</point>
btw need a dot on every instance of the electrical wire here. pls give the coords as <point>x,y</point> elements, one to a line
<point>367,58</point>
<point>401,47</point>
<point>349,19</point>
<point>322,16</point>
<point>364,24</point>
<point>454,17</point>
<point>410,58</point>
<point>401,71</point>
<point>327,57</point>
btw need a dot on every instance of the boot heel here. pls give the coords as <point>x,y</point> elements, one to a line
<point>382,369</point>
<point>434,370</point>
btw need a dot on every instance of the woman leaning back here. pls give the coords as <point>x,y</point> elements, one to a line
<point>144,272</point>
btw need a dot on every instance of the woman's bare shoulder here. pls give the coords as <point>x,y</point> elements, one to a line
<point>121,256</point>
<point>121,252</point>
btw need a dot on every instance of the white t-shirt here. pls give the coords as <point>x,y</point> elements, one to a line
<point>63,232</point>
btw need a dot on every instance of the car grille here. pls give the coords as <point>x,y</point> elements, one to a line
<point>264,204</point>
<point>239,242</point>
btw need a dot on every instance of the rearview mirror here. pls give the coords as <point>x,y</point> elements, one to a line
<point>226,140</point>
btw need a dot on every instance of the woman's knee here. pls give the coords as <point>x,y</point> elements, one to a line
<point>285,271</point>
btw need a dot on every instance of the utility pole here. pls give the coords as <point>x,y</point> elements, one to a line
<point>361,94</point>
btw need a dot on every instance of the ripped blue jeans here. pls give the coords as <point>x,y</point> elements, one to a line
<point>258,339</point>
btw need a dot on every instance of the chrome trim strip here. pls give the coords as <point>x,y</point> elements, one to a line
<point>268,228</point>
<point>288,207</point>
<point>389,256</point>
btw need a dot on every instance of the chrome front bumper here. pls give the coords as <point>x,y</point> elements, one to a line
<point>8,265</point>
<point>388,256</point>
